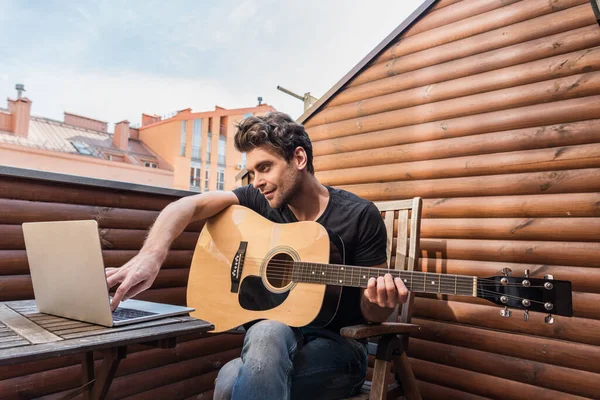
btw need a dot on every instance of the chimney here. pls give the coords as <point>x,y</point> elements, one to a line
<point>121,136</point>
<point>21,112</point>
<point>260,100</point>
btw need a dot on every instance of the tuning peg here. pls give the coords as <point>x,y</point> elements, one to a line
<point>526,315</point>
<point>526,273</point>
<point>505,313</point>
<point>506,271</point>
<point>549,277</point>
<point>549,319</point>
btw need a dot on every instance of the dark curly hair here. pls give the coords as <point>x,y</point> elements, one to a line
<point>276,130</point>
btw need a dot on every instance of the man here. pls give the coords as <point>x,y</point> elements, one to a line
<point>279,362</point>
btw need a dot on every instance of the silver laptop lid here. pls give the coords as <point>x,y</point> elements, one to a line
<point>67,270</point>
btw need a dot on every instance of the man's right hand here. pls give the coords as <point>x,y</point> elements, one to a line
<point>135,276</point>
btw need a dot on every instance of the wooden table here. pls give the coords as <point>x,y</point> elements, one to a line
<point>26,335</point>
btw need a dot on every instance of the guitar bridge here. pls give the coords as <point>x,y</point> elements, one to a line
<point>236,267</point>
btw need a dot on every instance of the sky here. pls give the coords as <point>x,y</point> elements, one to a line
<point>113,60</point>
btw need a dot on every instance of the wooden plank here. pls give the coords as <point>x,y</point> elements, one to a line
<point>564,111</point>
<point>27,329</point>
<point>580,330</point>
<point>561,158</point>
<point>19,211</point>
<point>393,205</point>
<point>402,248</point>
<point>581,37</point>
<point>389,227</point>
<point>14,344</point>
<point>530,29</point>
<point>538,137</point>
<point>570,181</point>
<point>11,238</point>
<point>523,74</point>
<point>482,384</point>
<point>569,87</point>
<point>544,375</point>
<point>56,192</point>
<point>101,341</point>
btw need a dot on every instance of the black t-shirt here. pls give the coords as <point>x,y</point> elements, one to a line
<point>355,220</point>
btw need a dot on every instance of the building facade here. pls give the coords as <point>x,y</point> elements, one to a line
<point>199,146</point>
<point>77,146</point>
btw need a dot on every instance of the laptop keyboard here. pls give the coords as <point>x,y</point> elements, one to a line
<point>122,314</point>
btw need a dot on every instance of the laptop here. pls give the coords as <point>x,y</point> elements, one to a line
<point>67,272</point>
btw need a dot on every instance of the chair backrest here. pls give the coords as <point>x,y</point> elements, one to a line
<point>403,224</point>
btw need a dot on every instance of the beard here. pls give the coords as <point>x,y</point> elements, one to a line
<point>287,190</point>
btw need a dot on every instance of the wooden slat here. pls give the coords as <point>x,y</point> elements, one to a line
<point>471,26</point>
<point>389,227</point>
<point>563,65</point>
<point>37,190</point>
<point>433,392</point>
<point>179,389</point>
<point>462,10</point>
<point>569,87</point>
<point>551,182</point>
<point>550,229</point>
<point>482,384</point>
<point>14,262</point>
<point>557,158</point>
<point>581,37</point>
<point>534,28</point>
<point>188,347</point>
<point>514,251</point>
<point>580,330</point>
<point>402,248</point>
<point>11,238</point>
<point>20,211</point>
<point>532,206</point>
<point>558,135</point>
<point>138,372</point>
<point>583,279</point>
<point>526,347</point>
<point>25,328</point>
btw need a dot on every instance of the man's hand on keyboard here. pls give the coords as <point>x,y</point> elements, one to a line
<point>135,276</point>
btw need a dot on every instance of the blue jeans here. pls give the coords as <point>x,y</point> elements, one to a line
<point>280,363</point>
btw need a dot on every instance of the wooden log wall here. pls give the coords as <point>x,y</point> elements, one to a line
<point>490,111</point>
<point>124,217</point>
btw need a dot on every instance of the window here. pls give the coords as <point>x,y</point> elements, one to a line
<point>243,160</point>
<point>222,143</point>
<point>82,148</point>
<point>149,164</point>
<point>206,176</point>
<point>197,139</point>
<point>183,129</point>
<point>248,115</point>
<point>208,148</point>
<point>195,177</point>
<point>221,179</point>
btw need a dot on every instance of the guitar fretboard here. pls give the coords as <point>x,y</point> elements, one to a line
<point>416,281</point>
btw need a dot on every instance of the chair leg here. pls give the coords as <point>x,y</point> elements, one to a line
<point>379,381</point>
<point>405,375</point>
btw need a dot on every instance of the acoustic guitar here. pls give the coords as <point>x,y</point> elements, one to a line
<point>247,268</point>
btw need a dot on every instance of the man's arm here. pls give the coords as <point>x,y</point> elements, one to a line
<point>140,272</point>
<point>381,296</point>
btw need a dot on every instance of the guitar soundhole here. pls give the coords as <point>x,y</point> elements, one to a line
<point>279,270</point>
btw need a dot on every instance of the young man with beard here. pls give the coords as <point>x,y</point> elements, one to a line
<point>277,361</point>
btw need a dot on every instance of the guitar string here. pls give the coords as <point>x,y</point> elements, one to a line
<point>283,263</point>
<point>420,274</point>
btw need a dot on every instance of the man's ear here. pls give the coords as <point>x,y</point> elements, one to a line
<point>300,158</point>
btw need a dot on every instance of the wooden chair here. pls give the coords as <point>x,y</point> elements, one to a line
<point>390,347</point>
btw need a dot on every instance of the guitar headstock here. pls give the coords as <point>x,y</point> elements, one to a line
<point>545,295</point>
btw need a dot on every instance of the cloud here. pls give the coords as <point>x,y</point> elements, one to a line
<point>113,60</point>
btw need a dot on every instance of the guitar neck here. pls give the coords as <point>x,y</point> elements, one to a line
<point>415,281</point>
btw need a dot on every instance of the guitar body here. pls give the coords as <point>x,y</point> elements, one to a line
<point>230,291</point>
